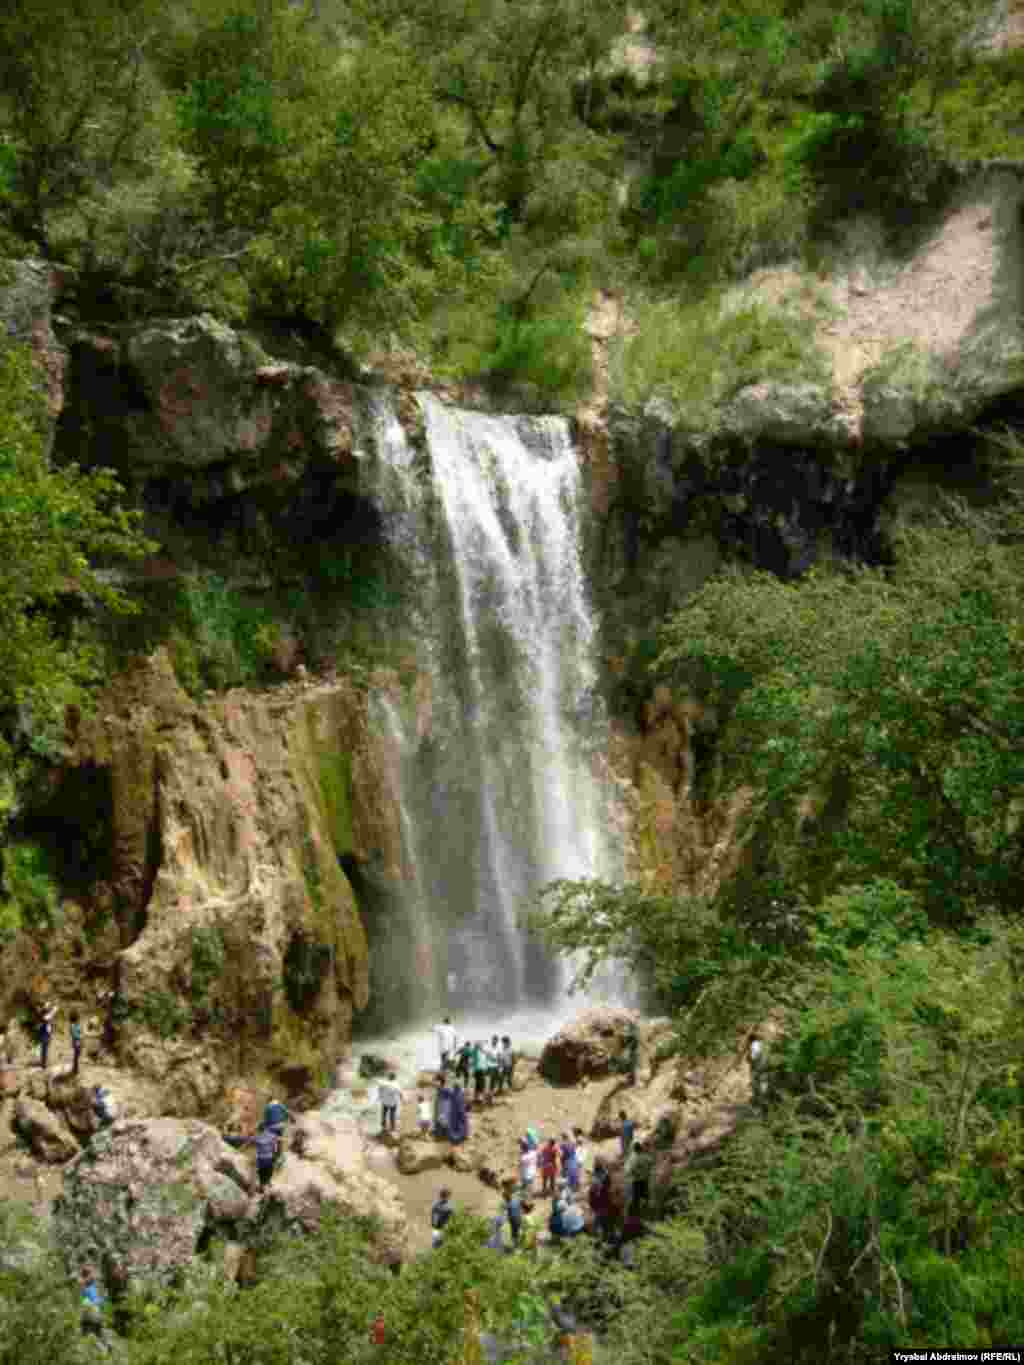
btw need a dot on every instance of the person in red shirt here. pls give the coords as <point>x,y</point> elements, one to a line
<point>547,1164</point>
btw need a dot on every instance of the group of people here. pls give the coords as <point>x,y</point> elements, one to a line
<point>268,1140</point>
<point>491,1065</point>
<point>561,1165</point>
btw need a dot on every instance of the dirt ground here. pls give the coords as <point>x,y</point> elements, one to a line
<point>550,1109</point>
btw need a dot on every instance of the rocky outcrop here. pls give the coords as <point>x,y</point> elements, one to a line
<point>415,1156</point>
<point>45,1133</point>
<point>195,396</point>
<point>145,1195</point>
<point>588,1046</point>
<point>243,950</point>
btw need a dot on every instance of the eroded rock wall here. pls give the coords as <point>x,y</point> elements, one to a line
<point>243,952</point>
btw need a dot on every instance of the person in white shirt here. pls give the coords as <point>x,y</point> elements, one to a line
<point>390,1100</point>
<point>425,1114</point>
<point>447,1043</point>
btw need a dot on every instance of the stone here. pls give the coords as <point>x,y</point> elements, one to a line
<point>10,1080</point>
<point>333,1174</point>
<point>47,1134</point>
<point>461,1160</point>
<point>371,1064</point>
<point>587,1046</point>
<point>415,1155</point>
<point>146,1193</point>
<point>231,795</point>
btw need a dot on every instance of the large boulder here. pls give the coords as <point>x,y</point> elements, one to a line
<point>587,1046</point>
<point>415,1156</point>
<point>332,1173</point>
<point>45,1133</point>
<point>145,1194</point>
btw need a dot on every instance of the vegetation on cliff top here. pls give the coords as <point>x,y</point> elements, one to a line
<point>458,175</point>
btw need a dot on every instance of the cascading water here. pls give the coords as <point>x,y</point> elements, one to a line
<point>500,787</point>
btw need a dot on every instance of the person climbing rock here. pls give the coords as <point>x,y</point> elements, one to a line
<point>45,1032</point>
<point>441,1215</point>
<point>447,1042</point>
<point>75,1029</point>
<point>390,1103</point>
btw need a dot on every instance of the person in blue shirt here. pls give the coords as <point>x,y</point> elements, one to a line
<point>92,1303</point>
<point>276,1116</point>
<point>266,1142</point>
<point>513,1210</point>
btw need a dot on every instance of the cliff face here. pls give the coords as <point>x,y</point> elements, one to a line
<point>242,952</point>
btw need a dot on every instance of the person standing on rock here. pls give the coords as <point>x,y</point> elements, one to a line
<point>390,1101</point>
<point>46,1032</point>
<point>570,1163</point>
<point>508,1062</point>
<point>447,1043</point>
<point>479,1072</point>
<point>75,1029</point>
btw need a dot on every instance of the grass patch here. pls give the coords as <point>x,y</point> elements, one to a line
<point>700,355</point>
<point>163,1013</point>
<point>335,770</point>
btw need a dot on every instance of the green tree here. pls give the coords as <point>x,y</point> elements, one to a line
<point>53,524</point>
<point>877,716</point>
<point>76,92</point>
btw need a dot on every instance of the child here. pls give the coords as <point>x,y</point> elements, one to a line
<point>527,1166</point>
<point>424,1111</point>
<point>548,1166</point>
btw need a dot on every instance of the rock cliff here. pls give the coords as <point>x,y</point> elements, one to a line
<point>241,948</point>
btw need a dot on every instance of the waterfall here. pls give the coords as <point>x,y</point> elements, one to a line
<point>500,791</point>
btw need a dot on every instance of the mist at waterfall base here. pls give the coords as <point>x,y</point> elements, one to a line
<point>497,762</point>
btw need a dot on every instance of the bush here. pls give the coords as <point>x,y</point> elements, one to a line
<point>32,887</point>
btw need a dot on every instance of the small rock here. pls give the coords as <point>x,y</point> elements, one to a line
<point>47,1135</point>
<point>462,1161</point>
